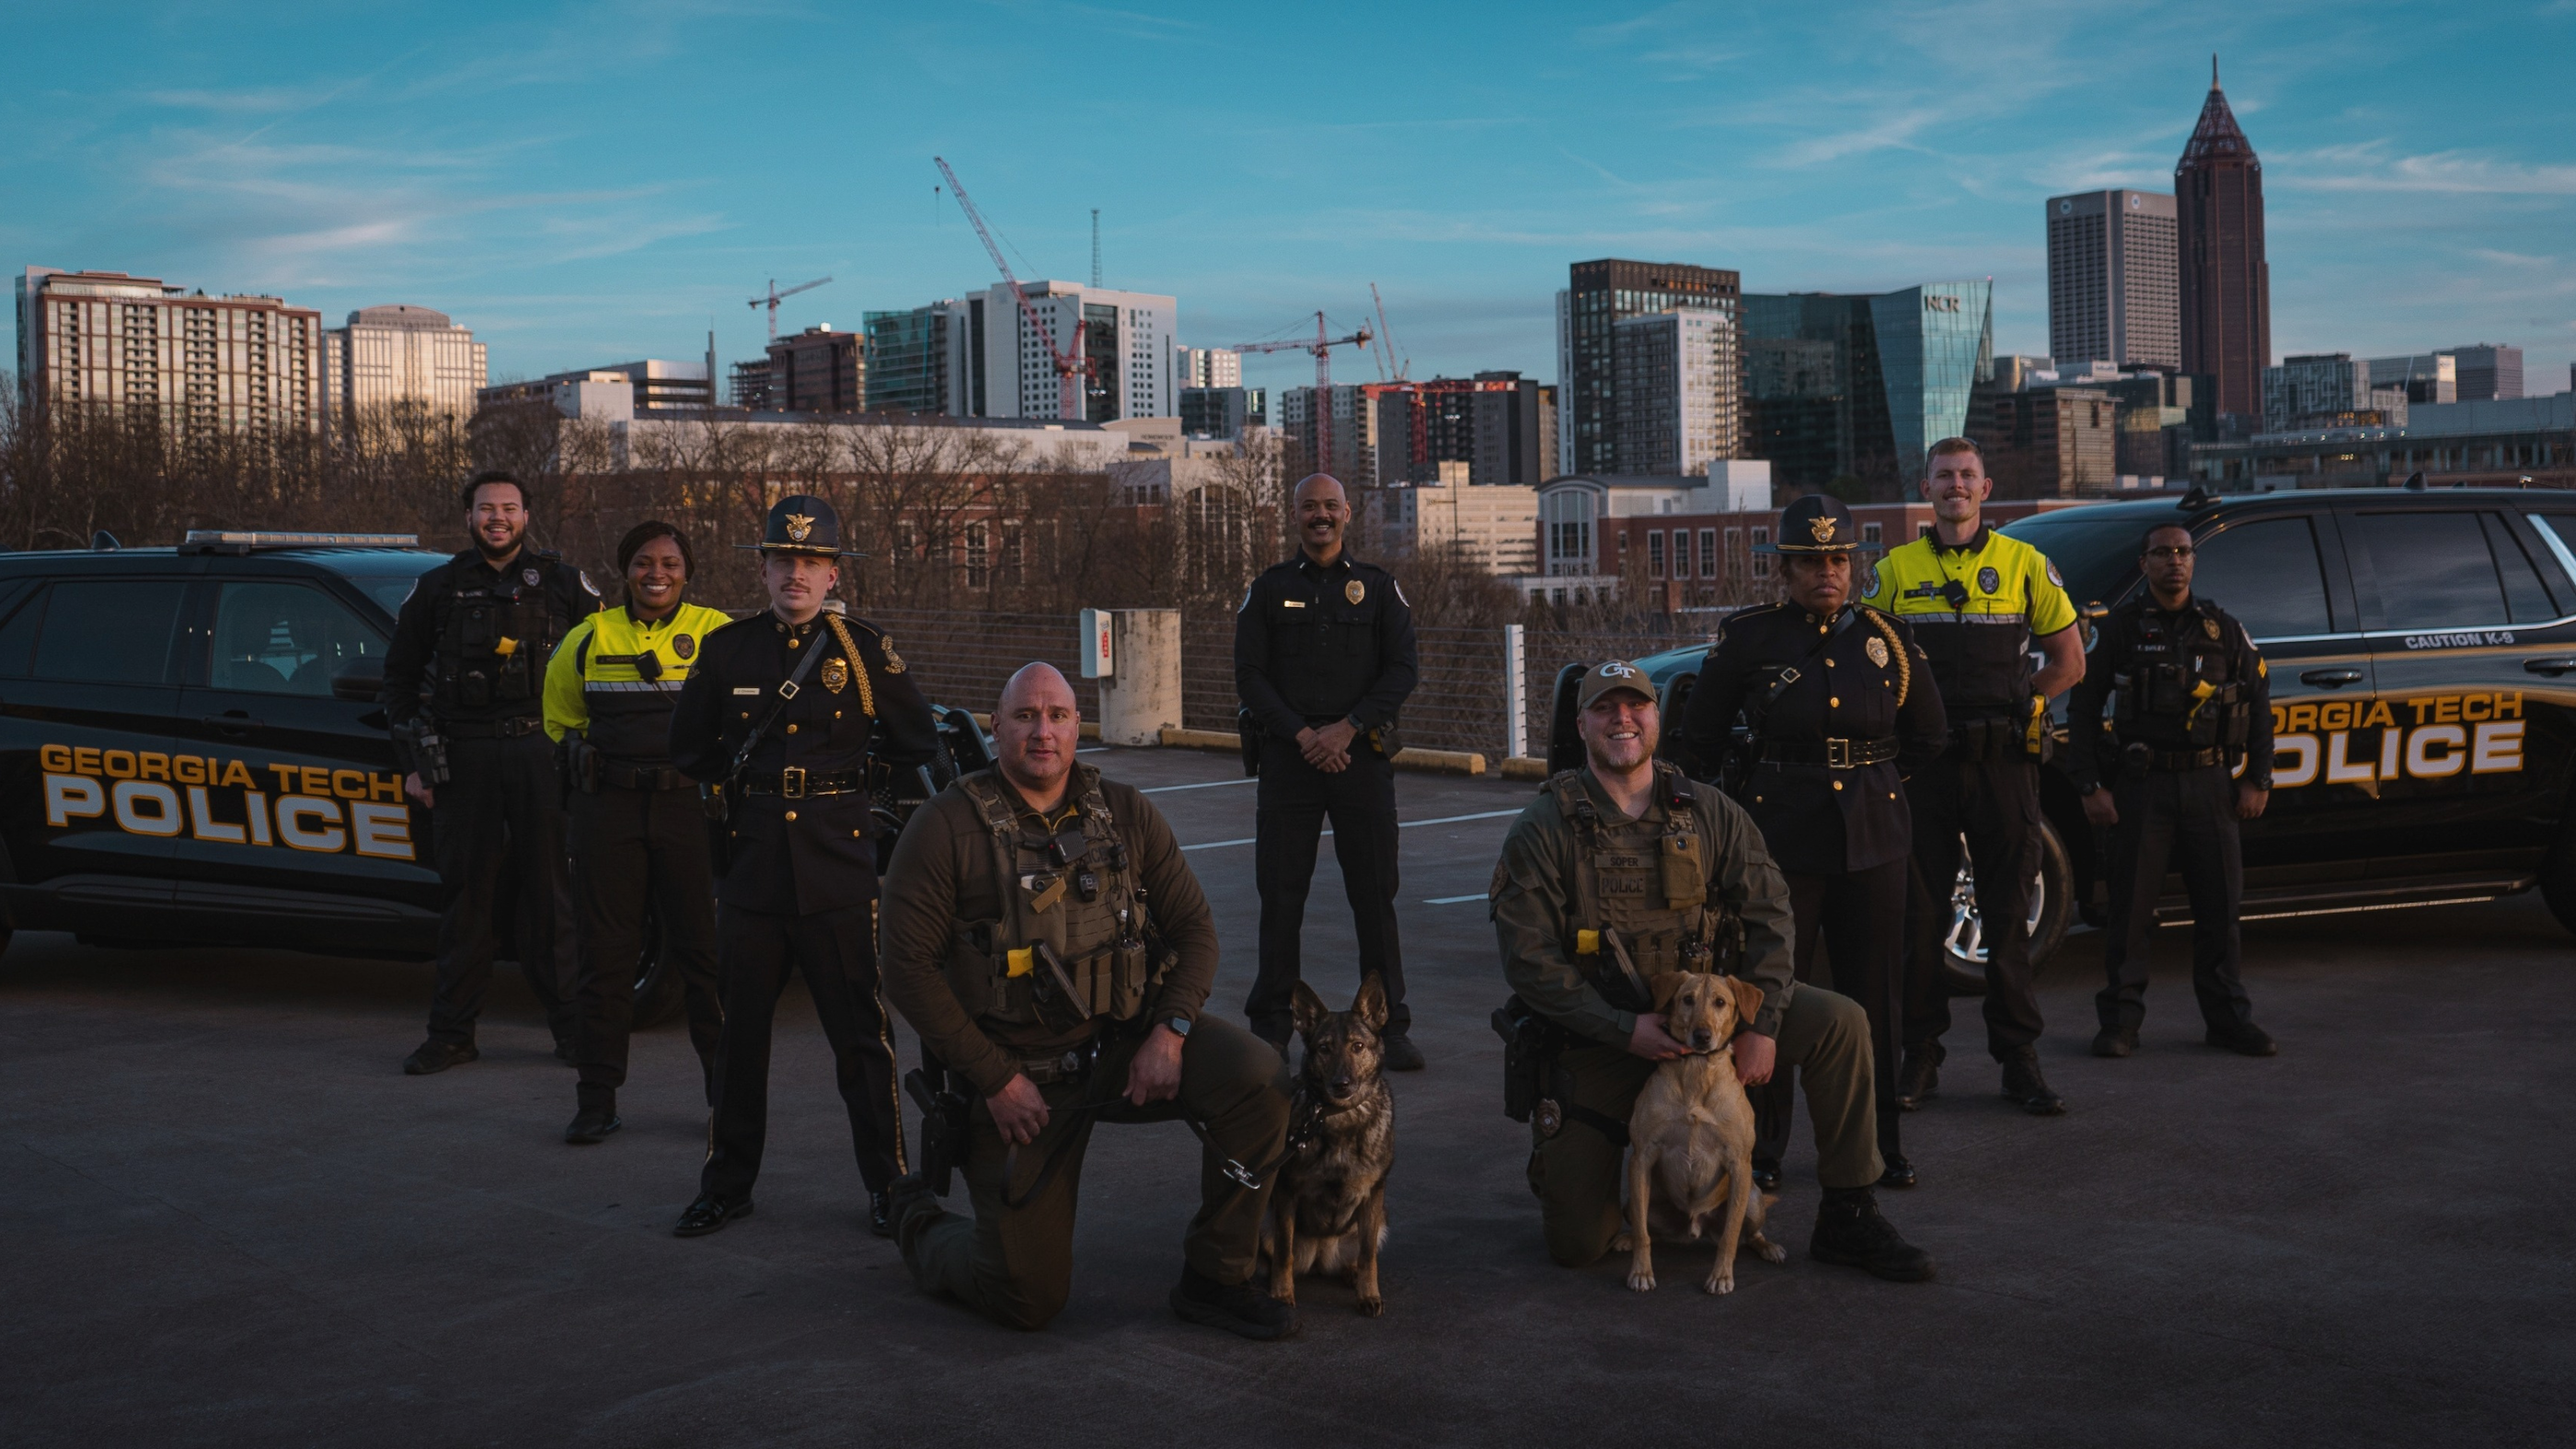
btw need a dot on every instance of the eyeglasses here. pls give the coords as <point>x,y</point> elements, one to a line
<point>2176,553</point>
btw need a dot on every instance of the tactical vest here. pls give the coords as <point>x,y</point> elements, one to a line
<point>1075,893</point>
<point>2185,700</point>
<point>1641,890</point>
<point>631,676</point>
<point>499,636</point>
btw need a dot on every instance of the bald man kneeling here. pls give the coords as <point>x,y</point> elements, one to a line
<point>1047,940</point>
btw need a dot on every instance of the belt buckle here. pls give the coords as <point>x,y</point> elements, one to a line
<point>791,783</point>
<point>1838,753</point>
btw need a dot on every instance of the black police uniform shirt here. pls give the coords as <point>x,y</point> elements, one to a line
<point>817,853</point>
<point>512,686</point>
<point>1819,820</point>
<point>2140,632</point>
<point>1314,644</point>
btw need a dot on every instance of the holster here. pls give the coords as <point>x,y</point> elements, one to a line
<point>580,763</point>
<point>1530,1046</point>
<point>1248,731</point>
<point>1388,739</point>
<point>719,805</point>
<point>947,1128</point>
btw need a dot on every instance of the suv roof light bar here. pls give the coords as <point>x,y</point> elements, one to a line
<point>220,540</point>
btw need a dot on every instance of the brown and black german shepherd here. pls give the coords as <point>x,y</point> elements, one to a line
<point>1328,1209</point>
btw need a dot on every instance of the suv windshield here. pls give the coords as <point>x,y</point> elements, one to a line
<point>2091,554</point>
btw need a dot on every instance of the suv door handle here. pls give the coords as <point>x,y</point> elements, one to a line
<point>232,722</point>
<point>2331,678</point>
<point>2551,667</point>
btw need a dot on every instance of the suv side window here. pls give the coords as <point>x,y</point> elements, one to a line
<point>2523,594</point>
<point>109,631</point>
<point>285,638</point>
<point>2266,573</point>
<point>2434,570</point>
<point>18,635</point>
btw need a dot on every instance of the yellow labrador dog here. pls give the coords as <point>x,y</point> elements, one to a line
<point>1692,1131</point>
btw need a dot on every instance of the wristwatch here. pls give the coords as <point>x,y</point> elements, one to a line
<point>2089,791</point>
<point>1180,1026</point>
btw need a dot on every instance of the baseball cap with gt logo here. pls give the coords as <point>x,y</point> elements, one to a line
<point>1610,675</point>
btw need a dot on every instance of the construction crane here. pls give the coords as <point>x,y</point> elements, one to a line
<point>1322,348</point>
<point>1070,365</point>
<point>1386,339</point>
<point>773,299</point>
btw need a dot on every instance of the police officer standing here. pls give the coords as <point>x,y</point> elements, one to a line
<point>1979,601</point>
<point>1044,935</point>
<point>1323,659</point>
<point>463,693</point>
<point>639,834</point>
<point>1841,707</point>
<point>2194,704</point>
<point>783,712</point>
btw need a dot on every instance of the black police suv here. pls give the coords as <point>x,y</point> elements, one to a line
<point>191,753</point>
<point>2420,645</point>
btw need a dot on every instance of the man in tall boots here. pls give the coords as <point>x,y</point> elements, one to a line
<point>783,713</point>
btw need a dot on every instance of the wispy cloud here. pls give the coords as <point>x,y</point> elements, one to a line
<point>2370,166</point>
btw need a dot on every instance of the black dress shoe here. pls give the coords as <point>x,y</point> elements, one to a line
<point>2024,1084</point>
<point>881,1214</point>
<point>1236,1307</point>
<point>435,1056</point>
<point>1766,1176</point>
<point>1401,1055</point>
<point>708,1214</point>
<point>1899,1173</point>
<point>592,1124</point>
<point>2245,1040</point>
<point>2115,1041</point>
<point>1850,1232</point>
<point>1919,1080</point>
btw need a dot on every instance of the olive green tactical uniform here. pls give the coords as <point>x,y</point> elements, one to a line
<point>1573,865</point>
<point>977,882</point>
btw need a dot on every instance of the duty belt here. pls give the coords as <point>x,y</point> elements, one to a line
<point>507,729</point>
<point>2176,760</point>
<point>642,777</point>
<point>1833,754</point>
<point>1071,1066</point>
<point>796,782</point>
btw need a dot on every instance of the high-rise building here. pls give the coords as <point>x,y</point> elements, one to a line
<point>660,387</point>
<point>1352,433</point>
<point>1126,338</point>
<point>2226,290</point>
<point>400,358</point>
<point>2488,371</point>
<point>106,339</point>
<point>819,370</point>
<point>1600,295</point>
<point>1675,380</point>
<point>2429,377</point>
<point>2328,390</point>
<point>1857,387</point>
<point>919,361</point>
<point>1223,412</point>
<point>2112,278</point>
<point>1208,367</point>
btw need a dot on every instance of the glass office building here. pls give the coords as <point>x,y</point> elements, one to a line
<point>1935,343</point>
<point>1853,388</point>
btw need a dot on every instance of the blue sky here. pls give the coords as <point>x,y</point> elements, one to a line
<point>585,183</point>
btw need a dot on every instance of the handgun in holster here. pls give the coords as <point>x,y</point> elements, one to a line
<point>946,1127</point>
<point>420,739</point>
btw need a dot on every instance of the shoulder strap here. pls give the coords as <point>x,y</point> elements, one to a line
<point>858,666</point>
<point>1896,646</point>
<point>794,686</point>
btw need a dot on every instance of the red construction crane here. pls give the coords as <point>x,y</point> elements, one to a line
<point>773,299</point>
<point>1322,348</point>
<point>1386,338</point>
<point>1070,365</point>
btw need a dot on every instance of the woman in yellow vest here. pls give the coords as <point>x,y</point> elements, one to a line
<point>639,833</point>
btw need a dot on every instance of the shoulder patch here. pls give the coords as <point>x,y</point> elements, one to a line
<point>1502,878</point>
<point>1399,591</point>
<point>1247,600</point>
<point>2053,576</point>
<point>586,583</point>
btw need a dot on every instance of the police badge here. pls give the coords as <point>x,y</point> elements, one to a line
<point>2211,625</point>
<point>1355,591</point>
<point>799,525</point>
<point>1876,648</point>
<point>836,674</point>
<point>530,577</point>
<point>894,661</point>
<point>1989,580</point>
<point>683,646</point>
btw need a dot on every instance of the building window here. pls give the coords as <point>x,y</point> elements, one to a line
<point>1869,533</point>
<point>1708,553</point>
<point>1922,530</point>
<point>1655,553</point>
<point>1761,561</point>
<point>979,551</point>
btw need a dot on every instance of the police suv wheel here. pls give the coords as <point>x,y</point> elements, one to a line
<point>1963,953</point>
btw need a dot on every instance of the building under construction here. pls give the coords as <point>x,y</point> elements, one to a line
<point>1501,425</point>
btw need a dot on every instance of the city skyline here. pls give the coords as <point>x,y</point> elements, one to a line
<point>496,167</point>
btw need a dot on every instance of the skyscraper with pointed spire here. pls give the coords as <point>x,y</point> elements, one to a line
<point>2226,283</point>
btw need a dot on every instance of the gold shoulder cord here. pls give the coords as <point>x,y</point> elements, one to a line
<point>1895,646</point>
<point>858,665</point>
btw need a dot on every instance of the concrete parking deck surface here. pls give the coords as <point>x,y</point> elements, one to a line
<point>227,1218</point>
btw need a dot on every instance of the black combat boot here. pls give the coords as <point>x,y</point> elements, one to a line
<point>881,1213</point>
<point>2245,1039</point>
<point>1401,1055</point>
<point>434,1056</point>
<point>2024,1084</point>
<point>1237,1308</point>
<point>2115,1041</point>
<point>595,1117</point>
<point>1850,1232</point>
<point>1919,1080</point>
<point>1766,1175</point>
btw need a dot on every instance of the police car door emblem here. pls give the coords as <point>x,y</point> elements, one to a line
<point>530,577</point>
<point>1355,591</point>
<point>1877,650</point>
<point>683,646</point>
<point>1989,580</point>
<point>799,525</point>
<point>836,674</point>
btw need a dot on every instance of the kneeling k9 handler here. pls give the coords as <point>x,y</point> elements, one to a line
<point>1624,869</point>
<point>1047,940</point>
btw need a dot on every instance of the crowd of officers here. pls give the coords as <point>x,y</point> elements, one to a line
<point>607,782</point>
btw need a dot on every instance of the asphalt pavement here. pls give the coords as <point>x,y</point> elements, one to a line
<point>226,1217</point>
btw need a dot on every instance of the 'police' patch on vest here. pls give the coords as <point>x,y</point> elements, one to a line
<point>1989,580</point>
<point>836,674</point>
<point>683,646</point>
<point>1623,885</point>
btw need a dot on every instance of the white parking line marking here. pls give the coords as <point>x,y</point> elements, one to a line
<point>1201,785</point>
<point>1400,825</point>
<point>1452,900</point>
